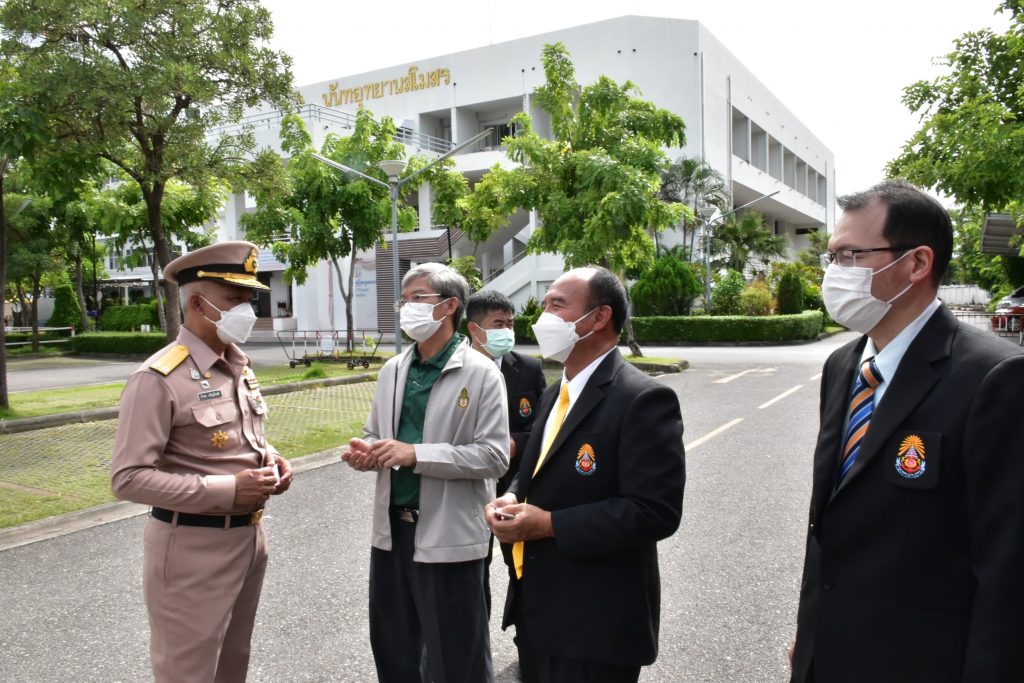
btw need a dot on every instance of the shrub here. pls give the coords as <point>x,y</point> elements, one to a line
<point>790,293</point>
<point>667,288</point>
<point>128,318</point>
<point>66,312</point>
<point>770,328</point>
<point>143,343</point>
<point>725,297</point>
<point>755,299</point>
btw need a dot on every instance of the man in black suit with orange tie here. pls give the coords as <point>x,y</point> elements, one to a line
<point>915,546</point>
<point>600,483</point>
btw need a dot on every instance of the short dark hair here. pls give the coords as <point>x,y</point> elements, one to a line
<point>912,217</point>
<point>606,290</point>
<point>485,301</point>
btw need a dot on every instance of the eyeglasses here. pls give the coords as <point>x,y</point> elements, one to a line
<point>847,258</point>
<point>415,299</point>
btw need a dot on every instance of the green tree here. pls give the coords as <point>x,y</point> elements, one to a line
<point>466,267</point>
<point>971,141</point>
<point>725,297</point>
<point>790,292</point>
<point>143,85</point>
<point>119,211</point>
<point>811,256</point>
<point>67,311</point>
<point>310,212</point>
<point>31,256</point>
<point>755,299</point>
<point>667,288</point>
<point>697,184</point>
<point>594,184</point>
<point>741,238</point>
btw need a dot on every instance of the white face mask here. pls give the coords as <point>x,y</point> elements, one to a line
<point>418,322</point>
<point>557,337</point>
<point>235,324</point>
<point>848,298</point>
<point>499,341</point>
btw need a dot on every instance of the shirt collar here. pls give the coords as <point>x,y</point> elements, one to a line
<point>439,359</point>
<point>577,383</point>
<point>204,357</point>
<point>888,359</point>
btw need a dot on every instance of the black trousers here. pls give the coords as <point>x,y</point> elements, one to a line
<point>540,668</point>
<point>428,621</point>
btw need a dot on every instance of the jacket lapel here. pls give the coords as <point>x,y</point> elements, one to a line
<point>593,393</point>
<point>533,444</point>
<point>914,378</point>
<point>833,417</point>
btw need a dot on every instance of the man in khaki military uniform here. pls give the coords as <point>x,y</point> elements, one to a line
<point>191,443</point>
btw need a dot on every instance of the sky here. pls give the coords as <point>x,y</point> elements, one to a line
<point>839,66</point>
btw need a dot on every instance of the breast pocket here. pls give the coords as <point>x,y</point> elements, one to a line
<point>214,413</point>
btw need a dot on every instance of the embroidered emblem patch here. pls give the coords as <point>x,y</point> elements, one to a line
<point>464,398</point>
<point>910,458</point>
<point>586,463</point>
<point>219,438</point>
<point>525,409</point>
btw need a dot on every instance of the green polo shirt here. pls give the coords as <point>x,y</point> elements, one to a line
<point>405,483</point>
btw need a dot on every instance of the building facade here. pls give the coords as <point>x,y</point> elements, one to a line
<point>732,121</point>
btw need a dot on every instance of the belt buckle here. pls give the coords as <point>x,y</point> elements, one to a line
<point>256,517</point>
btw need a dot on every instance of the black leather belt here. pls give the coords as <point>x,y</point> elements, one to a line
<point>212,521</point>
<point>406,514</point>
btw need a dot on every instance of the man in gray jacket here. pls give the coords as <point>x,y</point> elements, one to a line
<point>437,436</point>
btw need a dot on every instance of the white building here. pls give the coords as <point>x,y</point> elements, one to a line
<point>732,120</point>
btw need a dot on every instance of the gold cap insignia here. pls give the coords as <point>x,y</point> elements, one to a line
<point>250,262</point>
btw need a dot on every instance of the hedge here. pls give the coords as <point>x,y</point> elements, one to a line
<point>141,343</point>
<point>128,318</point>
<point>728,328</point>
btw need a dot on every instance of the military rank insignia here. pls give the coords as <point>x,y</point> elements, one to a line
<point>219,438</point>
<point>464,398</point>
<point>586,463</point>
<point>525,409</point>
<point>910,457</point>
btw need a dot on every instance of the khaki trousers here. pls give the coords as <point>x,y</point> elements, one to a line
<point>202,587</point>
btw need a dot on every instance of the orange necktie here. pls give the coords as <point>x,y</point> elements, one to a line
<point>561,408</point>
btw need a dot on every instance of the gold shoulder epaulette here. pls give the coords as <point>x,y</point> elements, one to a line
<point>170,360</point>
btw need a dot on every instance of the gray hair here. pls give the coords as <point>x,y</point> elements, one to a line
<point>186,291</point>
<point>447,282</point>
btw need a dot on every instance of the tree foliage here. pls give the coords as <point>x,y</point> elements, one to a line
<point>790,293</point>
<point>740,238</point>
<point>695,183</point>
<point>725,297</point>
<point>594,184</point>
<point>666,288</point>
<point>970,145</point>
<point>309,212</point>
<point>143,85</point>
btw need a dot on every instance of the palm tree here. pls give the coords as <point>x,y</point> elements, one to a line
<point>695,183</point>
<point>741,238</point>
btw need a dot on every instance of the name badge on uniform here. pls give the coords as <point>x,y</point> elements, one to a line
<point>209,395</point>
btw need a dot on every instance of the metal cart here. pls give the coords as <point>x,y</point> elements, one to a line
<point>302,347</point>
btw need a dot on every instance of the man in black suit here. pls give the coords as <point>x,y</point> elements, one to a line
<point>915,549</point>
<point>491,326</point>
<point>600,483</point>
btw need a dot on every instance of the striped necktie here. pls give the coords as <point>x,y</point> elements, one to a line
<point>561,408</point>
<point>862,404</point>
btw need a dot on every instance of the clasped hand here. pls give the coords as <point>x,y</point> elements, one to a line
<point>363,455</point>
<point>528,522</point>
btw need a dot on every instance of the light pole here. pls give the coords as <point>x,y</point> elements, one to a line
<point>707,212</point>
<point>392,169</point>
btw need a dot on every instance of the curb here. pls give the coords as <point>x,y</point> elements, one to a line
<point>80,520</point>
<point>26,424</point>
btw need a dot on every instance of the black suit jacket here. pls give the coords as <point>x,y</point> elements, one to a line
<point>613,482</point>
<point>920,579</point>
<point>524,384</point>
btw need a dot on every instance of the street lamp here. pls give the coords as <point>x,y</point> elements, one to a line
<point>707,212</point>
<point>392,169</point>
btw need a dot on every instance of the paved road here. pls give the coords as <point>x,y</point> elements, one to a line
<point>72,606</point>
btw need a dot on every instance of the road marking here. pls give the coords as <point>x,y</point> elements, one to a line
<point>781,396</point>
<point>710,435</point>
<point>818,376</point>
<point>730,378</point>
